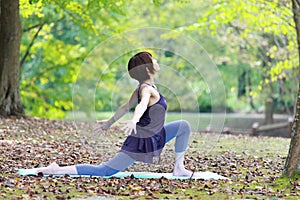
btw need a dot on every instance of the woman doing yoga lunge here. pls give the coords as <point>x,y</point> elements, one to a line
<point>148,134</point>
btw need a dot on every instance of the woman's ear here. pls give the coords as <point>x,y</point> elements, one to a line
<point>148,71</point>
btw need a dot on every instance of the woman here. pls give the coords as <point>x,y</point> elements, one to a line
<point>148,134</point>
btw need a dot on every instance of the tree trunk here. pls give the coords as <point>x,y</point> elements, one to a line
<point>293,159</point>
<point>250,91</point>
<point>242,84</point>
<point>268,87</point>
<point>269,104</point>
<point>10,38</point>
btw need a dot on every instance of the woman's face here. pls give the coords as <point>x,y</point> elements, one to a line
<point>155,65</point>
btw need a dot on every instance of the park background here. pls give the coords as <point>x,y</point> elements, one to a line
<point>252,43</point>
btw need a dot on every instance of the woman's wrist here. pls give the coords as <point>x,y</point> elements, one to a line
<point>135,121</point>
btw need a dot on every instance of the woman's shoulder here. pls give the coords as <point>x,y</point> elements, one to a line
<point>147,88</point>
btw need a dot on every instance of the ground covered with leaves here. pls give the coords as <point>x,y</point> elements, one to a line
<point>254,164</point>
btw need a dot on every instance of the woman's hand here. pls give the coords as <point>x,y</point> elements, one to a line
<point>129,126</point>
<point>102,126</point>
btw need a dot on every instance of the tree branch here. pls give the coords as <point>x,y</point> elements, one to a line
<point>30,45</point>
<point>32,27</point>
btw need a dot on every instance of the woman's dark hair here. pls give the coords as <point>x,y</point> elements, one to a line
<point>137,66</point>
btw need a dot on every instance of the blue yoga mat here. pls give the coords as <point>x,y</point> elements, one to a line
<point>198,175</point>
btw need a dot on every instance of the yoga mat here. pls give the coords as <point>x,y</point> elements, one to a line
<point>198,175</point>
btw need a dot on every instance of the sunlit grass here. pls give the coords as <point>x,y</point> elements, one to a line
<point>265,157</point>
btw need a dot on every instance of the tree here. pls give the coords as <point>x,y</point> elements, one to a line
<point>265,33</point>
<point>10,37</point>
<point>38,18</point>
<point>293,159</point>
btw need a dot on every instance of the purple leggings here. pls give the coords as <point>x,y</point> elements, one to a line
<point>179,129</point>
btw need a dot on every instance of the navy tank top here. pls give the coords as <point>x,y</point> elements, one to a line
<point>150,138</point>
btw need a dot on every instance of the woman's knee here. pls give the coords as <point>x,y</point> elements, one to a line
<point>185,126</point>
<point>177,128</point>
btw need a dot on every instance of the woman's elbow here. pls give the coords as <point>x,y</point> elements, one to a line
<point>125,107</point>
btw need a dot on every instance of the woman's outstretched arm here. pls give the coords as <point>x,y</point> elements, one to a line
<point>130,125</point>
<point>121,111</point>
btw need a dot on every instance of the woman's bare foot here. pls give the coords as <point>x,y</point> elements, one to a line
<point>179,170</point>
<point>53,168</point>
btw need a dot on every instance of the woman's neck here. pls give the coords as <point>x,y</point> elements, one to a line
<point>149,81</point>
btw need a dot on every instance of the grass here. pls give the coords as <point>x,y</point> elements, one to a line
<point>254,165</point>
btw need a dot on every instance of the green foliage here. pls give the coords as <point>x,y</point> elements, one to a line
<point>257,33</point>
<point>53,54</point>
<point>254,38</point>
<point>29,8</point>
